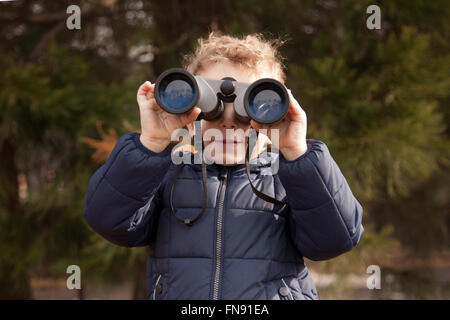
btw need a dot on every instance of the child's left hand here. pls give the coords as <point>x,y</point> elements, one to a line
<point>292,130</point>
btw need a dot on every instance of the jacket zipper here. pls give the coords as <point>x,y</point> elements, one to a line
<point>156,284</point>
<point>219,235</point>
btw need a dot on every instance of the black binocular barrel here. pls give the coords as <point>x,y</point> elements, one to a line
<point>265,100</point>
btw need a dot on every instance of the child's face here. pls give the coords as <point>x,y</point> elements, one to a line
<point>229,151</point>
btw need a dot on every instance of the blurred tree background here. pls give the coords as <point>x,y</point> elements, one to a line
<point>378,98</point>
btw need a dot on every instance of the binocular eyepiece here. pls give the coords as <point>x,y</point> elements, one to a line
<point>265,101</point>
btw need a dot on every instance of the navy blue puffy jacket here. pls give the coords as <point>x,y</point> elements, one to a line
<point>240,248</point>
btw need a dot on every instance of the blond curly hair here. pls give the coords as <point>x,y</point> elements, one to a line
<point>252,51</point>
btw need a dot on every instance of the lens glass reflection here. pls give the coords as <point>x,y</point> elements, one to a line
<point>267,104</point>
<point>177,92</point>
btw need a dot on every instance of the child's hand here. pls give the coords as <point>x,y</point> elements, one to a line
<point>292,131</point>
<point>157,125</point>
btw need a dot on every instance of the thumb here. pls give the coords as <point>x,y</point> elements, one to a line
<point>255,125</point>
<point>191,115</point>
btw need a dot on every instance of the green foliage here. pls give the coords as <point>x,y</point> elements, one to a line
<point>375,248</point>
<point>116,263</point>
<point>45,109</point>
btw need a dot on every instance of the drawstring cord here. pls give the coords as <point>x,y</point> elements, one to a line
<point>187,221</point>
<point>258,193</point>
<point>198,131</point>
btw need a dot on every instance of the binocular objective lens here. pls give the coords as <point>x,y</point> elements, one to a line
<point>177,93</point>
<point>267,105</point>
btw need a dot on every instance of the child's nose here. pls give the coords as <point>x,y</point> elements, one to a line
<point>228,120</point>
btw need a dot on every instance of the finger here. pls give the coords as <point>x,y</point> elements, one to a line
<point>295,111</point>
<point>191,116</point>
<point>259,126</point>
<point>144,88</point>
<point>262,128</point>
<point>145,92</point>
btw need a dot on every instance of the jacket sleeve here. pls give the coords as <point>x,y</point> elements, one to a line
<point>123,201</point>
<point>324,217</point>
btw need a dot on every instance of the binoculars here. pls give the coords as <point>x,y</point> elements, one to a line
<point>265,101</point>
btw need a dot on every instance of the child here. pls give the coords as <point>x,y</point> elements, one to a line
<point>240,246</point>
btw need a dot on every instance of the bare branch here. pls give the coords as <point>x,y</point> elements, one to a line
<point>46,38</point>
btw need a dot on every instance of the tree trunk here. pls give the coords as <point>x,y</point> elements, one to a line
<point>14,277</point>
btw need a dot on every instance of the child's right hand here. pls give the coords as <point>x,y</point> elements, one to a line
<point>157,125</point>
